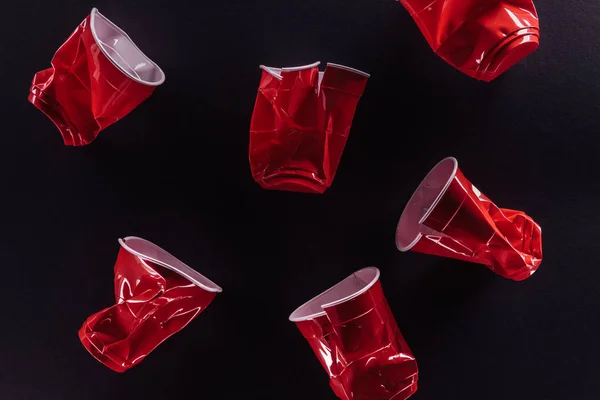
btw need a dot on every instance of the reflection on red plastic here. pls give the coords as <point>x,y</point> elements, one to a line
<point>157,295</point>
<point>300,125</point>
<point>448,216</point>
<point>480,38</point>
<point>355,337</point>
<point>98,76</point>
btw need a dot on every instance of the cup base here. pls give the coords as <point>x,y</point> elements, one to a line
<point>507,53</point>
<point>408,391</point>
<point>298,181</point>
<point>98,355</point>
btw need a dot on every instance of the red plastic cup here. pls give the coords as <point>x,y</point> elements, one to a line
<point>354,335</point>
<point>156,294</point>
<point>448,216</point>
<point>98,76</point>
<point>300,124</point>
<point>481,39</point>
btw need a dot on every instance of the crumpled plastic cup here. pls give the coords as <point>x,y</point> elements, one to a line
<point>98,76</point>
<point>300,124</point>
<point>482,39</point>
<point>354,335</point>
<point>156,296</point>
<point>448,216</point>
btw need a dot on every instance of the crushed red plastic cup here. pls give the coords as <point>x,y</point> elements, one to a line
<point>156,296</point>
<point>300,124</point>
<point>448,216</point>
<point>481,39</point>
<point>353,333</point>
<point>98,76</point>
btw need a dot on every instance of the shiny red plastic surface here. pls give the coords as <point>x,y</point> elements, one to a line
<point>463,223</point>
<point>91,84</point>
<point>155,298</point>
<point>357,341</point>
<point>481,38</point>
<point>300,125</point>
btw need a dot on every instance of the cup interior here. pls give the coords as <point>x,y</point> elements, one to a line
<point>346,290</point>
<point>123,52</point>
<point>422,202</point>
<point>151,252</point>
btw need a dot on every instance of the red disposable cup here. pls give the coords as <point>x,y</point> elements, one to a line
<point>156,296</point>
<point>354,335</point>
<point>300,124</point>
<point>448,216</point>
<point>98,76</point>
<point>481,39</point>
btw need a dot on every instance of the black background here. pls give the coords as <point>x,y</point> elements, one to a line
<point>175,171</point>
